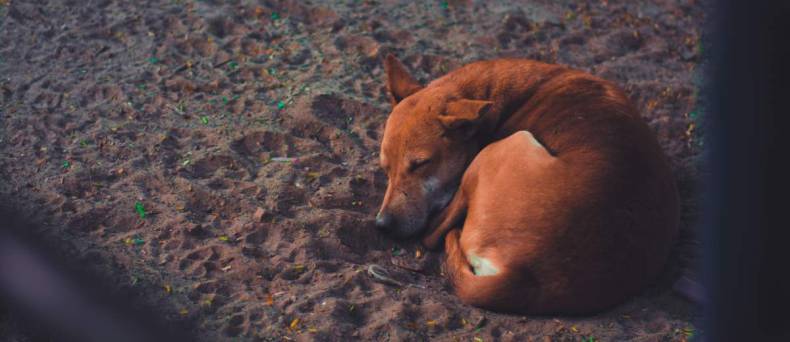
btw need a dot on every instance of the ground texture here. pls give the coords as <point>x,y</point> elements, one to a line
<point>221,157</point>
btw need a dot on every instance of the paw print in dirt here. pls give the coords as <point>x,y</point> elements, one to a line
<point>349,129</point>
<point>200,262</point>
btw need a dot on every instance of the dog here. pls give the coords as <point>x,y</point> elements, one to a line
<point>549,192</point>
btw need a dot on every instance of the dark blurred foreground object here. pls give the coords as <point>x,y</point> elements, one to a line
<point>747,232</point>
<point>70,306</point>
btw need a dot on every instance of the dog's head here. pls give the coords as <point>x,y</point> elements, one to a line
<point>425,149</point>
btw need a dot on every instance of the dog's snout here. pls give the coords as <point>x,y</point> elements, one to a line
<point>384,221</point>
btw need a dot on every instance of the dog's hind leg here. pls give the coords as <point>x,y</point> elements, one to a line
<point>446,220</point>
<point>489,288</point>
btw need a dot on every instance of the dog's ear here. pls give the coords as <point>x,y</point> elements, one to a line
<point>399,82</point>
<point>464,113</point>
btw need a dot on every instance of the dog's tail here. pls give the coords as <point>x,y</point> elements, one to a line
<point>495,292</point>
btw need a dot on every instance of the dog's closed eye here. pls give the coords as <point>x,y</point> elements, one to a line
<point>417,163</point>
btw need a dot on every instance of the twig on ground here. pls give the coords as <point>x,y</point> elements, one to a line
<point>381,275</point>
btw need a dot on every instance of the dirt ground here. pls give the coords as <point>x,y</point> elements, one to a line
<point>221,157</point>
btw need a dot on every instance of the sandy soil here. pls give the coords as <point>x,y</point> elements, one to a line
<point>221,157</point>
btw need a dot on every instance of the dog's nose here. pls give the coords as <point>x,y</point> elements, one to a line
<point>383,221</point>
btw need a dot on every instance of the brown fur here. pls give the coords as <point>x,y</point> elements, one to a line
<point>574,227</point>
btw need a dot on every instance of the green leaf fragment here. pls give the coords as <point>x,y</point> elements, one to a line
<point>140,209</point>
<point>204,119</point>
<point>275,16</point>
<point>66,164</point>
<point>693,115</point>
<point>153,60</point>
<point>280,105</point>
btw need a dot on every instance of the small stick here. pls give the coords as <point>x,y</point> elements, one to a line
<point>222,63</point>
<point>381,275</point>
<point>175,109</point>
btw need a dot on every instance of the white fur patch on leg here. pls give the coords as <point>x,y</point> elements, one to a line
<point>481,266</point>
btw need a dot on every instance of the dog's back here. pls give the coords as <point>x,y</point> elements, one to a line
<point>591,229</point>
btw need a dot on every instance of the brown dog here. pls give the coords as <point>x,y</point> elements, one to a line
<point>553,193</point>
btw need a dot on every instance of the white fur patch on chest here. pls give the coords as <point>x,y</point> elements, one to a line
<point>430,185</point>
<point>481,266</point>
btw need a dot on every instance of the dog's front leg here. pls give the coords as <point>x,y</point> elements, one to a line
<point>446,220</point>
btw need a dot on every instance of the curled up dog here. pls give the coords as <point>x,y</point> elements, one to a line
<point>548,191</point>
